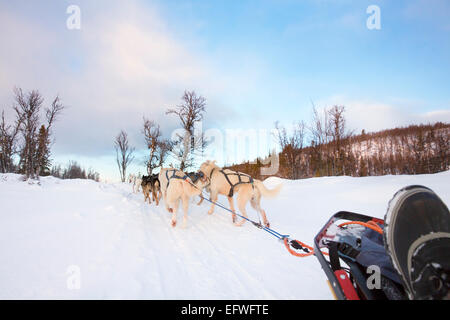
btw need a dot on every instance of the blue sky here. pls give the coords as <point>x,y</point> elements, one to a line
<point>254,61</point>
<point>324,47</point>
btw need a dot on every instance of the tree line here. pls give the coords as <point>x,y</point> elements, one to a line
<point>327,147</point>
<point>25,143</point>
<point>74,171</point>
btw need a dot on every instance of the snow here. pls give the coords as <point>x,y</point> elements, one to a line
<point>111,245</point>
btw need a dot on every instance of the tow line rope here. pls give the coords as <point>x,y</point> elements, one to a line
<point>256,224</point>
<point>298,245</point>
<point>288,243</point>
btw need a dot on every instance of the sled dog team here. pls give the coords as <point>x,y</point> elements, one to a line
<point>175,186</point>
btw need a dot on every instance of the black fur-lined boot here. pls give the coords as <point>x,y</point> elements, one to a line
<point>417,239</point>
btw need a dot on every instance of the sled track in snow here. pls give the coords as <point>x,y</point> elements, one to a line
<point>127,249</point>
<point>179,245</point>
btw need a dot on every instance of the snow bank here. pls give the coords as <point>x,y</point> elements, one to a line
<point>79,239</point>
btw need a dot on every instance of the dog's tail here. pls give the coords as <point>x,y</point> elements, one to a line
<point>267,193</point>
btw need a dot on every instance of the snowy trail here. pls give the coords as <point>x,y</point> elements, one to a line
<point>126,249</point>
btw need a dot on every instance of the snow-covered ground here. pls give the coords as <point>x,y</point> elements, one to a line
<point>102,237</point>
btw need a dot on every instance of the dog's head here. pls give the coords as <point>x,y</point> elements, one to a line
<point>145,180</point>
<point>204,179</point>
<point>207,167</point>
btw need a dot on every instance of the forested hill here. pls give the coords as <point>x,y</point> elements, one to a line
<point>415,149</point>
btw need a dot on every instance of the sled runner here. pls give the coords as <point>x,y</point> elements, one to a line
<point>357,266</point>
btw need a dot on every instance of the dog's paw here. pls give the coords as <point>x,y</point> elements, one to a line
<point>210,211</point>
<point>239,223</point>
<point>174,223</point>
<point>170,210</point>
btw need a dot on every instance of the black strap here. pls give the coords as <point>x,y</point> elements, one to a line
<point>296,245</point>
<point>174,176</point>
<point>239,174</point>
<point>347,250</point>
<point>333,254</point>
<point>210,175</point>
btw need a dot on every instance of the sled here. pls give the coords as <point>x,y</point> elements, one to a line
<point>350,250</point>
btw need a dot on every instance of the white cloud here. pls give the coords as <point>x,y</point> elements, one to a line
<point>375,115</point>
<point>121,65</point>
<point>124,63</point>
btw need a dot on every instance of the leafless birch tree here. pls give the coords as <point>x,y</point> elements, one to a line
<point>188,144</point>
<point>35,150</point>
<point>124,153</point>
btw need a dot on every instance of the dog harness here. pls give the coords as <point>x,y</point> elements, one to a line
<point>240,181</point>
<point>152,179</point>
<point>174,176</point>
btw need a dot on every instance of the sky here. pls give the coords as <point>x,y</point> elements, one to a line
<point>255,62</point>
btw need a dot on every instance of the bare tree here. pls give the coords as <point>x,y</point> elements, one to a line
<point>8,143</point>
<point>292,147</point>
<point>319,142</point>
<point>124,153</point>
<point>44,137</point>
<point>152,134</point>
<point>93,175</point>
<point>164,147</point>
<point>187,144</point>
<point>35,137</point>
<point>28,107</point>
<point>339,140</point>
